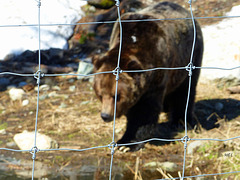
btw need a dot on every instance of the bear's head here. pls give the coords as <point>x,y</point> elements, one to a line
<point>129,84</point>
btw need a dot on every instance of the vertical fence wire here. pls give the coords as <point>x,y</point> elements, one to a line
<point>116,73</point>
<point>38,75</point>
<point>189,69</point>
<point>38,78</point>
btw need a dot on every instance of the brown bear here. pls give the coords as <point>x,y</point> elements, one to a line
<point>142,96</point>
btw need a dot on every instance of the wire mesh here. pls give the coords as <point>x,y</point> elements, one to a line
<point>112,145</point>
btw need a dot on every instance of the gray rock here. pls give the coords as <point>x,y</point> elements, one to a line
<point>219,106</point>
<point>11,144</point>
<point>25,141</point>
<point>169,166</point>
<point>21,84</point>
<point>43,87</point>
<point>193,146</point>
<point>16,94</point>
<point>84,68</point>
<point>3,131</point>
<point>72,88</point>
<point>56,88</point>
<point>43,97</point>
<point>63,105</point>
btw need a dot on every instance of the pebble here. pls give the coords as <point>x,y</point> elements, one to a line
<point>169,166</point>
<point>219,106</point>
<point>56,88</point>
<point>43,97</point>
<point>21,84</point>
<point>11,144</point>
<point>193,146</point>
<point>25,102</point>
<point>3,131</point>
<point>72,88</point>
<point>16,94</point>
<point>44,87</point>
<point>62,105</point>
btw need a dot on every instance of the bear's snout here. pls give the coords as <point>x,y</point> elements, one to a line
<point>106,117</point>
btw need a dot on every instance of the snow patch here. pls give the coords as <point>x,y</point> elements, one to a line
<point>18,39</point>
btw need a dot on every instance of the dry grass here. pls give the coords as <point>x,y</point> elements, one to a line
<point>78,125</point>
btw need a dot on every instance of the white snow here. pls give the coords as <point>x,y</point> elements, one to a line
<point>221,41</point>
<point>24,12</point>
<point>222,47</point>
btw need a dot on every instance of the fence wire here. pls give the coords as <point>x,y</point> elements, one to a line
<point>117,71</point>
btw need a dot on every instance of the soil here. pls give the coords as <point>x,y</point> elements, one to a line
<point>72,118</point>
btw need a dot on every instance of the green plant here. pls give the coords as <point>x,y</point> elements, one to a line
<point>3,126</point>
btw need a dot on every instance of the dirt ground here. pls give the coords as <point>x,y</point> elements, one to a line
<point>72,118</point>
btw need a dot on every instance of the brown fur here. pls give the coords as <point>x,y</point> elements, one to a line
<point>142,96</point>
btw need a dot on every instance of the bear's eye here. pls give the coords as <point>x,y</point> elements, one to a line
<point>118,97</point>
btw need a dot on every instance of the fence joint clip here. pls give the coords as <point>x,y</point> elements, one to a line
<point>33,151</point>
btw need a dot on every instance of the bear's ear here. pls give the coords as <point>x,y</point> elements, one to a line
<point>97,61</point>
<point>134,64</point>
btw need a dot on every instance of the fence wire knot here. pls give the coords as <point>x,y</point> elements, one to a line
<point>39,3</point>
<point>112,146</point>
<point>184,140</point>
<point>38,75</point>
<point>189,68</point>
<point>116,72</point>
<point>33,151</point>
<point>117,3</point>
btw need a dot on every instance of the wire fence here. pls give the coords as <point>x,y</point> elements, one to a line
<point>112,145</point>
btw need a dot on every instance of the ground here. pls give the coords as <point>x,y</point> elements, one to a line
<point>72,118</point>
<point>76,124</point>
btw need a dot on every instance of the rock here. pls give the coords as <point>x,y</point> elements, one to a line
<point>21,84</point>
<point>25,141</point>
<point>16,94</point>
<point>219,106</point>
<point>169,166</point>
<point>52,94</point>
<point>85,102</point>
<point>11,144</point>
<point>56,88</point>
<point>84,68</point>
<point>63,105</point>
<point>25,102</point>
<point>43,87</point>
<point>234,90</point>
<point>151,164</point>
<point>72,88</point>
<point>193,146</point>
<point>41,170</point>
<point>3,131</point>
<point>28,87</point>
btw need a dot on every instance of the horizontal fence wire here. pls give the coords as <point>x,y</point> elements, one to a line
<point>111,22</point>
<point>117,71</point>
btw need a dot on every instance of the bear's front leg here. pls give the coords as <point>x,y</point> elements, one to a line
<point>141,123</point>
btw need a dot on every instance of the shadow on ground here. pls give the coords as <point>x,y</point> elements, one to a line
<point>207,115</point>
